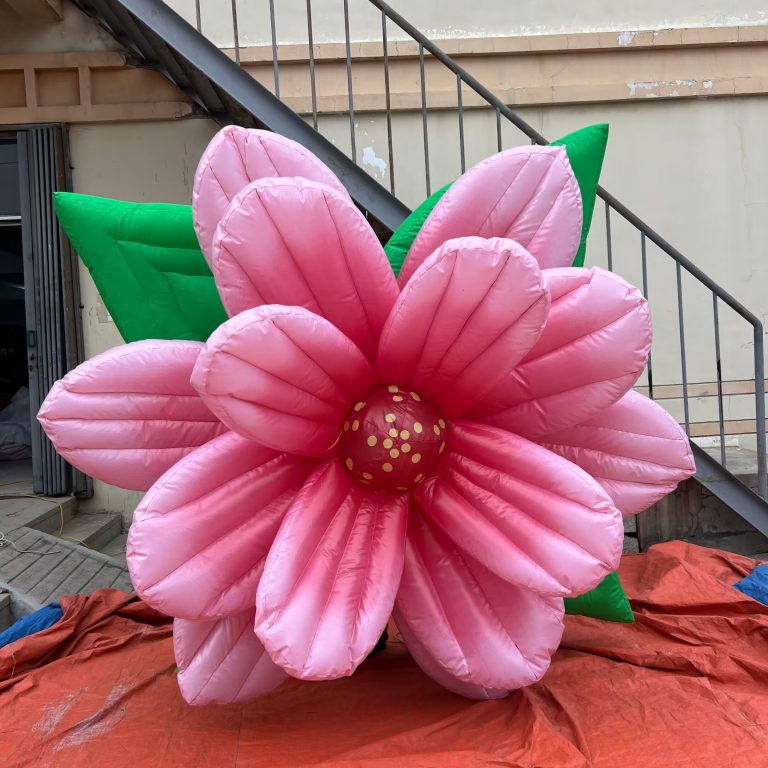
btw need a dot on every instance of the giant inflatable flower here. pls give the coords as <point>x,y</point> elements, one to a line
<point>458,450</point>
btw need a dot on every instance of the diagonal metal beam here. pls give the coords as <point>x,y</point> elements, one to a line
<point>201,58</point>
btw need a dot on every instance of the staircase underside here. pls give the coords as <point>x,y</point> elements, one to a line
<point>730,490</point>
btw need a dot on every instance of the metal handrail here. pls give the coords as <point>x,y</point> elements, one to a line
<point>646,233</point>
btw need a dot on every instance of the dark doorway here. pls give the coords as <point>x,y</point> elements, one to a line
<point>15,424</point>
<point>40,328</point>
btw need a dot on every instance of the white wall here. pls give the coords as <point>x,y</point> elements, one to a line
<point>460,18</point>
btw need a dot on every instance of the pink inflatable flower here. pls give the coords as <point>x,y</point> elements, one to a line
<point>459,451</point>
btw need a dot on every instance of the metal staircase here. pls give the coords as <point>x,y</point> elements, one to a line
<point>215,81</point>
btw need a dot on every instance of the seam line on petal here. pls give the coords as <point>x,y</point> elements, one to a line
<point>369,325</point>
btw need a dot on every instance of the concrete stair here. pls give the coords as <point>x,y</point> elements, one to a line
<point>49,549</point>
<point>91,530</point>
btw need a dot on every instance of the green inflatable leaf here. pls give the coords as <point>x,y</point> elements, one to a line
<point>147,265</point>
<point>585,149</point>
<point>606,601</point>
<point>399,244</point>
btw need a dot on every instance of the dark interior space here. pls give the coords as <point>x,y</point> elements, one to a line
<point>15,438</point>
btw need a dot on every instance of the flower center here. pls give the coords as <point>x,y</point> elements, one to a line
<point>393,439</point>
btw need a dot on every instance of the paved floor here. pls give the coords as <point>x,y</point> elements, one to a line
<point>36,567</point>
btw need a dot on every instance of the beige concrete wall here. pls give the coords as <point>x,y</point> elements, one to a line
<point>144,162</point>
<point>459,18</point>
<point>75,32</point>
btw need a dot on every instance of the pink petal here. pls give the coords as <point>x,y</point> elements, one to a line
<point>634,449</point>
<point>421,655</point>
<point>331,577</point>
<point>593,349</point>
<point>236,157</point>
<point>294,241</point>
<point>528,515</point>
<point>528,194</point>
<point>130,413</point>
<point>222,662</point>
<point>468,315</point>
<point>283,377</point>
<point>476,628</point>
<point>199,538</point>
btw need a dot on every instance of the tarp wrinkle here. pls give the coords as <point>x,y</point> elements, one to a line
<point>686,685</point>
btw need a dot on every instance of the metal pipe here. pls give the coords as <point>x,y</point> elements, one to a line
<point>683,365</point>
<point>235,32</point>
<point>312,85</point>
<point>275,57</point>
<point>461,121</point>
<point>424,126</point>
<point>349,82</point>
<point>719,373</point>
<point>644,261</point>
<point>388,103</point>
<point>762,476</point>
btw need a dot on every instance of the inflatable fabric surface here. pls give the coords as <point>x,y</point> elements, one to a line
<point>147,265</point>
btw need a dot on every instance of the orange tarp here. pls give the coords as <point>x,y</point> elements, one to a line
<point>687,685</point>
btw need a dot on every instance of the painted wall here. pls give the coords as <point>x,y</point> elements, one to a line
<point>75,32</point>
<point>459,18</point>
<point>143,162</point>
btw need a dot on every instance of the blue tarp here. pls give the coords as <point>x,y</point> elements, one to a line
<point>35,622</point>
<point>755,585</point>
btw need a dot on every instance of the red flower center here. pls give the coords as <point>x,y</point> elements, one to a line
<point>393,439</point>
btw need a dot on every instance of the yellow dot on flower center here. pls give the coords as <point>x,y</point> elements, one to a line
<point>386,466</point>
<point>387,443</point>
<point>367,476</point>
<point>349,463</point>
<point>405,448</point>
<point>417,427</point>
<point>416,458</point>
<point>394,453</point>
<point>355,425</point>
<point>346,426</point>
<point>393,432</point>
<point>442,446</point>
<point>359,406</point>
<point>418,478</point>
<point>393,388</point>
<point>415,396</point>
<point>436,428</point>
<point>397,398</point>
<point>404,434</point>
<point>389,418</point>
<point>372,440</point>
<point>441,423</point>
